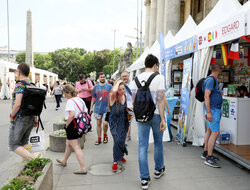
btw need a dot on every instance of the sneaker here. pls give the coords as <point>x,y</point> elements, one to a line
<point>105,140</point>
<point>123,160</point>
<point>98,142</point>
<point>56,109</point>
<point>115,167</point>
<point>145,183</point>
<point>204,155</point>
<point>210,161</point>
<point>159,173</point>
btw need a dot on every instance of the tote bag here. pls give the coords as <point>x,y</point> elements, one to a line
<point>36,140</point>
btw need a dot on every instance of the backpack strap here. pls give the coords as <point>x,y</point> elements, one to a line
<point>77,105</point>
<point>214,80</point>
<point>39,121</point>
<point>150,79</point>
<point>137,82</point>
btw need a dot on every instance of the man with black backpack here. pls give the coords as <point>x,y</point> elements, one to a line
<point>213,103</point>
<point>24,110</point>
<point>149,106</point>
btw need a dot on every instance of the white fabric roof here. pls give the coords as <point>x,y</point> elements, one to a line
<point>186,32</point>
<point>246,9</point>
<point>137,63</point>
<point>155,50</point>
<point>221,11</point>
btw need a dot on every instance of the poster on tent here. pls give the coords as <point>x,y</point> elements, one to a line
<point>183,48</point>
<point>162,68</point>
<point>231,29</point>
<point>185,91</point>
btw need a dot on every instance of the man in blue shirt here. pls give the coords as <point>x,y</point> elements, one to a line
<point>213,103</point>
<point>100,98</point>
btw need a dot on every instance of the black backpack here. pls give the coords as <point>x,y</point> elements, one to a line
<point>144,106</point>
<point>199,93</point>
<point>33,101</point>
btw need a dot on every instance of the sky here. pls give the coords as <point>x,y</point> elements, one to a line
<point>87,24</point>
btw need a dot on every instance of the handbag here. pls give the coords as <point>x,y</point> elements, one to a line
<point>37,140</point>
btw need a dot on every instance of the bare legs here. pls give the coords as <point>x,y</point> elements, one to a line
<point>25,154</point>
<point>99,127</point>
<point>74,145</point>
<point>210,139</point>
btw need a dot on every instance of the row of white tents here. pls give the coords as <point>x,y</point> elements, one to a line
<point>227,21</point>
<point>7,78</point>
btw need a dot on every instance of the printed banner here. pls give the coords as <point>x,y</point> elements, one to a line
<point>183,48</point>
<point>233,28</point>
<point>233,109</point>
<point>185,91</point>
<point>162,59</point>
<point>225,108</point>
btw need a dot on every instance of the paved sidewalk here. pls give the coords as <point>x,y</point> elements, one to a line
<point>184,169</point>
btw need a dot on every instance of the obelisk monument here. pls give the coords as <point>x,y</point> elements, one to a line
<point>29,59</point>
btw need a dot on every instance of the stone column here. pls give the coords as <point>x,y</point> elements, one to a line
<point>172,16</point>
<point>152,30</point>
<point>147,23</point>
<point>29,40</point>
<point>160,18</point>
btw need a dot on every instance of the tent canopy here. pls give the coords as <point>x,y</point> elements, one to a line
<point>186,32</point>
<point>221,12</point>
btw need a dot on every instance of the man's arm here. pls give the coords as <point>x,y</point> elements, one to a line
<point>161,106</point>
<point>17,105</point>
<point>207,104</point>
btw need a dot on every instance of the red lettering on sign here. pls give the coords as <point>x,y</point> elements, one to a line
<point>230,28</point>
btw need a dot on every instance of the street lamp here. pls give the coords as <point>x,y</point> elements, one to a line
<point>114,52</point>
<point>8,30</point>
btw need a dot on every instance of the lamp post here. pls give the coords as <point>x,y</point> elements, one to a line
<point>114,53</point>
<point>8,30</point>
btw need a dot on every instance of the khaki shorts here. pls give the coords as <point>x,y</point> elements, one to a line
<point>19,132</point>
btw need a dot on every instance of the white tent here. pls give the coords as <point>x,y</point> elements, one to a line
<point>225,22</point>
<point>186,32</point>
<point>202,58</point>
<point>246,9</point>
<point>7,77</point>
<point>138,64</point>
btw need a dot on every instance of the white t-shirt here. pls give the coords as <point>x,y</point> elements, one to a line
<point>156,85</point>
<point>71,106</point>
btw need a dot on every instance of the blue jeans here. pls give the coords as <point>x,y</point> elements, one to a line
<point>143,135</point>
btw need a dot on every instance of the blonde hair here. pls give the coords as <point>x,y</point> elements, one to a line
<point>69,89</point>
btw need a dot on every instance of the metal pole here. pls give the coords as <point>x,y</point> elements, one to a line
<point>141,31</point>
<point>8,30</point>
<point>137,28</point>
<point>114,53</point>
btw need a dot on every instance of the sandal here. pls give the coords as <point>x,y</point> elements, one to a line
<point>60,162</point>
<point>105,140</point>
<point>83,172</point>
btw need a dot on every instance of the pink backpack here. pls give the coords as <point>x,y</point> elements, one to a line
<point>83,121</point>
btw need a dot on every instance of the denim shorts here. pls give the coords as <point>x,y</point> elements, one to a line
<point>215,124</point>
<point>19,131</point>
<point>100,116</point>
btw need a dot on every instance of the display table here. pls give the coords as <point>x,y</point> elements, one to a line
<point>171,103</point>
<point>236,119</point>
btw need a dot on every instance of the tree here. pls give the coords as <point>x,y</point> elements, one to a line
<point>20,58</point>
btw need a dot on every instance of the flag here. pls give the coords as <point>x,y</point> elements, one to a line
<point>224,53</point>
<point>234,50</point>
<point>213,60</point>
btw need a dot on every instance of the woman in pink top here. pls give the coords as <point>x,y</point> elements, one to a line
<point>84,88</point>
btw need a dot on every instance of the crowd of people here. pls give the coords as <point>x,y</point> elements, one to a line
<point>112,105</point>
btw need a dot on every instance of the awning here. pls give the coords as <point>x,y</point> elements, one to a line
<point>225,22</point>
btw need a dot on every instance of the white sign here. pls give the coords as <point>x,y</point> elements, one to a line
<point>232,29</point>
<point>233,109</point>
<point>11,82</point>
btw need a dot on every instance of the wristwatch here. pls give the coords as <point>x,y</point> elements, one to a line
<point>11,116</point>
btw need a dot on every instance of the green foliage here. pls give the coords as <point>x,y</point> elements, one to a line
<point>37,174</point>
<point>26,180</point>
<point>68,63</point>
<point>28,172</point>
